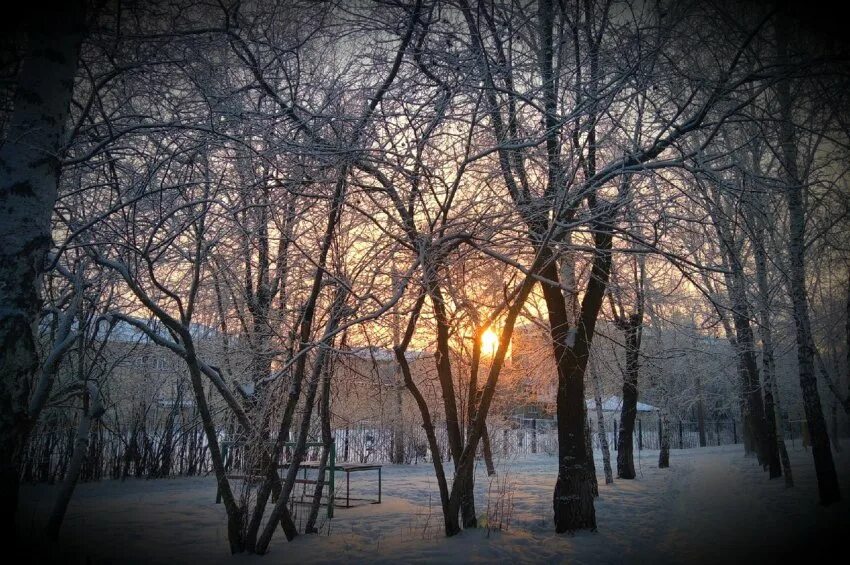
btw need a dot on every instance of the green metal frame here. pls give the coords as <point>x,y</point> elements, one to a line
<point>330,481</point>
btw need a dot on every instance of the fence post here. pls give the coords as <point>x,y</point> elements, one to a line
<point>505,442</point>
<point>734,431</point>
<point>717,430</point>
<point>681,435</point>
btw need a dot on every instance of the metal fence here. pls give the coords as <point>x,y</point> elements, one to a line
<point>683,434</point>
<point>154,454</point>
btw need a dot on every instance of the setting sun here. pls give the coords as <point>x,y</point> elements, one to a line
<point>489,342</point>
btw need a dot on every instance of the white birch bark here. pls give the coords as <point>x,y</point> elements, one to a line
<point>29,176</point>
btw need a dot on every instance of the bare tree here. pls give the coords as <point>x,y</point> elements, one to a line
<point>632,326</point>
<point>828,487</point>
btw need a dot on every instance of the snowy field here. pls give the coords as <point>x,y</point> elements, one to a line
<point>712,506</point>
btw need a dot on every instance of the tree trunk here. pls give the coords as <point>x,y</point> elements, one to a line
<point>485,435</point>
<point>664,452</point>
<point>29,159</point>
<point>573,495</point>
<point>69,483</point>
<point>234,511</point>
<point>821,452</point>
<point>327,441</point>
<point>450,521</point>
<point>746,431</point>
<point>398,428</point>
<point>780,439</point>
<point>753,406</point>
<point>828,487</point>
<point>835,443</point>
<point>588,444</point>
<point>774,438</point>
<point>444,374</point>
<point>603,435</point>
<point>280,511</point>
<point>628,411</point>
<point>488,452</point>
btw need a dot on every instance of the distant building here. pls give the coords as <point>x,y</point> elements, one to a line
<point>374,416</point>
<point>611,407</point>
<point>146,374</point>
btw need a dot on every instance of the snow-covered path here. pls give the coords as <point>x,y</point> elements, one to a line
<point>712,505</point>
<point>734,512</point>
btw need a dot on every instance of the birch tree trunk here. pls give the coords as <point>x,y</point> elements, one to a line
<point>92,410</point>
<point>743,341</point>
<point>783,451</point>
<point>774,436</point>
<point>828,487</point>
<point>69,483</point>
<point>29,161</point>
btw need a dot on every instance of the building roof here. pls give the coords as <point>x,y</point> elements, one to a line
<point>124,332</point>
<point>614,403</point>
<point>382,354</point>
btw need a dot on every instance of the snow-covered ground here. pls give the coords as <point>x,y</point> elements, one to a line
<point>713,505</point>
